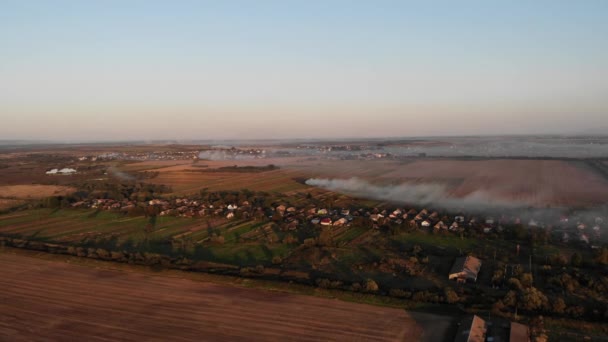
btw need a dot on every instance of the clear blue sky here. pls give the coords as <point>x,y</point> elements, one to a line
<point>264,69</point>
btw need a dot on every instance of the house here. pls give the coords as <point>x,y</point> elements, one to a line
<point>281,209</point>
<point>519,333</point>
<point>441,225</point>
<point>375,217</point>
<point>425,224</point>
<point>230,215</point>
<point>232,207</point>
<point>340,222</point>
<point>465,268</point>
<point>454,225</point>
<point>326,221</point>
<point>315,221</point>
<point>64,171</point>
<point>472,329</point>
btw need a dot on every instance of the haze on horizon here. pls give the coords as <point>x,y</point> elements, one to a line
<point>115,70</point>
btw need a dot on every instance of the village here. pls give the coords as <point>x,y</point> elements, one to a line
<point>578,230</point>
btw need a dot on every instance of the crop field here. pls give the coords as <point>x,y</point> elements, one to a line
<point>9,203</point>
<point>535,182</point>
<point>61,301</point>
<point>33,191</point>
<point>71,225</point>
<point>188,182</point>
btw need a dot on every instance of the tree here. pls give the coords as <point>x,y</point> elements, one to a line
<point>450,295</point>
<point>532,299</point>
<point>602,256</point>
<point>576,259</point>
<point>416,249</point>
<point>559,306</point>
<point>526,279</point>
<point>371,286</point>
<point>514,284</point>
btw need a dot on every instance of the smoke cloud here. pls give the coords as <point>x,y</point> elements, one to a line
<point>223,155</point>
<point>120,175</point>
<point>433,194</point>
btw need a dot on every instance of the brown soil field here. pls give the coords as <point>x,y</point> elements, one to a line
<point>537,182</point>
<point>50,300</point>
<point>9,203</point>
<point>186,182</point>
<point>33,191</point>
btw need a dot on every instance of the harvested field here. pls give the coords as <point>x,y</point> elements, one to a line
<point>34,191</point>
<point>535,182</point>
<point>186,182</point>
<point>9,203</point>
<point>51,300</point>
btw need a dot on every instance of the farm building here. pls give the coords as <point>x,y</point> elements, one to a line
<point>465,268</point>
<point>64,171</point>
<point>472,329</point>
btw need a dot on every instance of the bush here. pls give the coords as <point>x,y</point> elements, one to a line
<point>371,286</point>
<point>450,296</point>
<point>323,283</point>
<point>399,293</point>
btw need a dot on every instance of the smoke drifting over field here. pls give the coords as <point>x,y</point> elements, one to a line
<point>223,155</point>
<point>433,194</point>
<point>120,175</point>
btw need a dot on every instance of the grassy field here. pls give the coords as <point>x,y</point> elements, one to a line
<point>73,225</point>
<point>435,241</point>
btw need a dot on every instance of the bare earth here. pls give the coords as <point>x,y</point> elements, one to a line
<point>45,300</point>
<point>536,182</point>
<point>34,191</point>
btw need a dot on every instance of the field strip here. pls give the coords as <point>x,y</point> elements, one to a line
<point>76,301</point>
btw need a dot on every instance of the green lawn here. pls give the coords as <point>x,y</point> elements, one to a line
<point>435,240</point>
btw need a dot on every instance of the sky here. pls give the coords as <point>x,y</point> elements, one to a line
<point>132,70</point>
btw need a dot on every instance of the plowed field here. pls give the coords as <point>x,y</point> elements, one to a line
<point>52,300</point>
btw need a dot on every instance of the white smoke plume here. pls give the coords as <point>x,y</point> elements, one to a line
<point>433,194</point>
<point>223,155</point>
<point>120,174</point>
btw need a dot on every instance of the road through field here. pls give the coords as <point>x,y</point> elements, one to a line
<point>49,300</point>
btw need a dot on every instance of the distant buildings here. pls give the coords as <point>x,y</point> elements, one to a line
<point>64,171</point>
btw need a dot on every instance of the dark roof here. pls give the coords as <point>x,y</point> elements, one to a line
<point>468,265</point>
<point>472,329</point>
<point>519,333</point>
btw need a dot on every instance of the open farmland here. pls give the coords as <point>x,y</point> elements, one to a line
<point>58,301</point>
<point>34,191</point>
<point>9,203</point>
<point>185,179</point>
<point>535,182</point>
<point>80,225</point>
